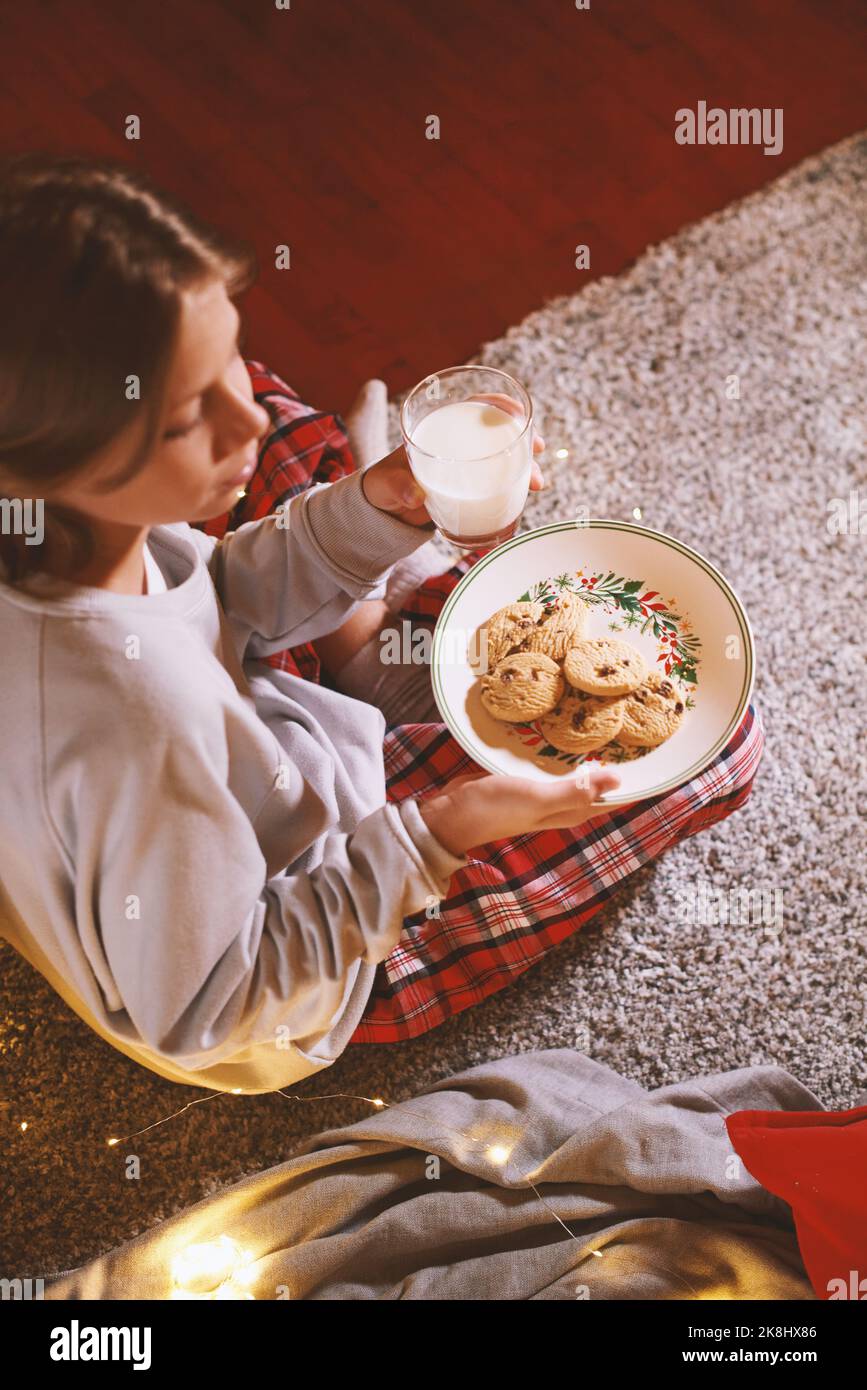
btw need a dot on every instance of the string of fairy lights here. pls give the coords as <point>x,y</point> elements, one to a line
<point>222,1269</point>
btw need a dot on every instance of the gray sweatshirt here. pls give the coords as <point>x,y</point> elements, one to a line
<point>195,848</point>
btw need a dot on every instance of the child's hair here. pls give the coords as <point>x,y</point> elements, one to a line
<point>93,261</point>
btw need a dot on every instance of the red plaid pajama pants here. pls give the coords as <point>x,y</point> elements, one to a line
<point>518,898</point>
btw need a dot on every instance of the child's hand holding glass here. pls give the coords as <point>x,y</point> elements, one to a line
<point>390,485</point>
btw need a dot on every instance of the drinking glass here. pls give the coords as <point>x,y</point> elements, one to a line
<point>468,435</point>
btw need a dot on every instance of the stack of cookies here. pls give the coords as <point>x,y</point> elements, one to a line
<point>585,692</point>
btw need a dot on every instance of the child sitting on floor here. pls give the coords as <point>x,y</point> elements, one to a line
<point>229,869</point>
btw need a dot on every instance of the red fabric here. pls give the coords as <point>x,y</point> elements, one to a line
<point>816,1161</point>
<point>517,899</point>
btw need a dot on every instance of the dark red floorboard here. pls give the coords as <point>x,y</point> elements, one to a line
<point>307,127</point>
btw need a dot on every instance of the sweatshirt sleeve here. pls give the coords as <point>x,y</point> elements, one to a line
<point>187,935</point>
<point>295,576</point>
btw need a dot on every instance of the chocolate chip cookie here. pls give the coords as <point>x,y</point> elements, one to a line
<point>651,714</point>
<point>524,686</point>
<point>582,723</point>
<point>504,632</point>
<point>604,666</point>
<point>558,628</point>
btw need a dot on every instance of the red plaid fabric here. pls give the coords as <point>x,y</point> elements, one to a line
<point>516,899</point>
<point>302,447</point>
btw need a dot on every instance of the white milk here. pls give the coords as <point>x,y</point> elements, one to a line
<point>474,475</point>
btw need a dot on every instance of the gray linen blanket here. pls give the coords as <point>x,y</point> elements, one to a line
<point>460,1194</point>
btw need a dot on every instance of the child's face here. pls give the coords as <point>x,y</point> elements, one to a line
<point>208,441</point>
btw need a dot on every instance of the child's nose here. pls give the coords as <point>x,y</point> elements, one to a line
<point>263,420</point>
<point>248,422</point>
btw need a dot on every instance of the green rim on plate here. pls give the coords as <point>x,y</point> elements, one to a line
<point>660,536</point>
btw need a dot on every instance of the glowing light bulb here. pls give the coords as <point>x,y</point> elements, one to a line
<point>378,1103</point>
<point>636,512</point>
<point>498,1153</point>
<point>202,1268</point>
<point>561,453</point>
<point>23,1125</point>
<point>111,1142</point>
<point>247,1273</point>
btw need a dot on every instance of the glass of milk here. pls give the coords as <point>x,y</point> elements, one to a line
<point>472,455</point>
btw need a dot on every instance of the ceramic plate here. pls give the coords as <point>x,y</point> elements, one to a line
<point>640,585</point>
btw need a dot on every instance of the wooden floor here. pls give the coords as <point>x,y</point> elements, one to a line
<point>307,127</point>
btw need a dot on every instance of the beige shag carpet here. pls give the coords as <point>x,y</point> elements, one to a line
<point>630,376</point>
